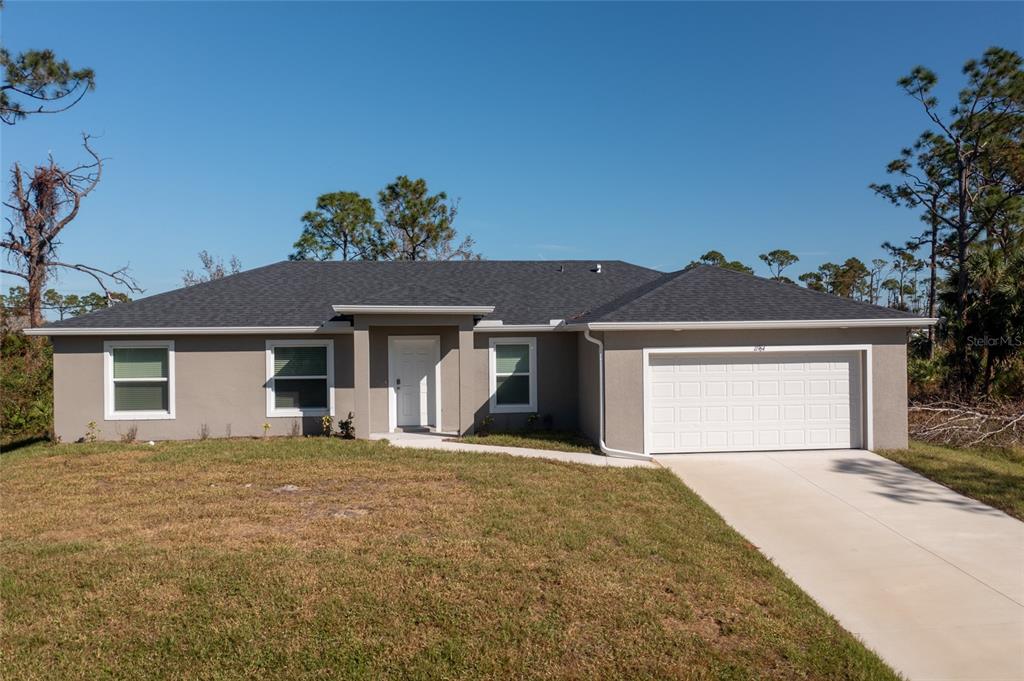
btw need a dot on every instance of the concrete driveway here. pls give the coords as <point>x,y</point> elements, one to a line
<point>929,579</point>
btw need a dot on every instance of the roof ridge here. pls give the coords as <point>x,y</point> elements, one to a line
<point>551,261</point>
<point>632,295</point>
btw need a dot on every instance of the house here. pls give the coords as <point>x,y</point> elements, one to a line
<point>643,362</point>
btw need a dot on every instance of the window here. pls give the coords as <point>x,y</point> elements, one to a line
<point>139,380</point>
<point>513,375</point>
<point>300,378</point>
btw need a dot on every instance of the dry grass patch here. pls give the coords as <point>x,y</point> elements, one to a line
<point>329,559</point>
<point>557,440</point>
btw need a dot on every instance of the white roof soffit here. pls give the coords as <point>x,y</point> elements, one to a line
<point>328,327</point>
<point>776,324</point>
<point>487,325</point>
<point>413,309</point>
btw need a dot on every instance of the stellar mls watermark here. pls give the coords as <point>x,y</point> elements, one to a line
<point>996,341</point>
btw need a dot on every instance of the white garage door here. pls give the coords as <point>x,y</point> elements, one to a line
<point>753,402</point>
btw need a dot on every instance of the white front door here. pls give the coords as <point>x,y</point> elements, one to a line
<point>412,369</point>
<point>753,402</point>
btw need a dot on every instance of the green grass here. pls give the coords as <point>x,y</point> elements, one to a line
<point>562,441</point>
<point>993,476</point>
<point>185,560</point>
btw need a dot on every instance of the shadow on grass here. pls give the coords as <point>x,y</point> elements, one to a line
<point>901,484</point>
<point>14,445</point>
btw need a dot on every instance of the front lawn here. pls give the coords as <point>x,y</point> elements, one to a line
<point>317,558</point>
<point>993,476</point>
<point>556,440</point>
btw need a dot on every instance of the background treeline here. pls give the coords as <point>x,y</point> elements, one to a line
<point>964,177</point>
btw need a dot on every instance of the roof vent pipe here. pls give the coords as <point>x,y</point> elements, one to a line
<point>596,268</point>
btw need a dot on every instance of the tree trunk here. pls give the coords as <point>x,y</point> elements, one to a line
<point>932,281</point>
<point>36,283</point>
<point>987,383</point>
<point>962,280</point>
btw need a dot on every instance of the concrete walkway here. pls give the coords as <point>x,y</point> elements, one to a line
<point>931,580</point>
<point>443,442</point>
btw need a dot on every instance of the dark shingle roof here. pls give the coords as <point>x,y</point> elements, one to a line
<point>702,293</point>
<point>301,293</point>
<point>522,292</point>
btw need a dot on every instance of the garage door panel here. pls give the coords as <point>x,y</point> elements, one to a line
<point>819,412</point>
<point>743,413</point>
<point>742,388</point>
<point>663,415</point>
<point>715,389</point>
<point>688,389</point>
<point>753,402</point>
<point>689,414</point>
<point>716,414</point>
<point>743,438</point>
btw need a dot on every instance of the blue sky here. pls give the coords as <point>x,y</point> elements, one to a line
<point>645,132</point>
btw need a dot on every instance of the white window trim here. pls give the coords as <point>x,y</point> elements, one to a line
<point>496,408</point>
<point>108,381</point>
<point>272,410</point>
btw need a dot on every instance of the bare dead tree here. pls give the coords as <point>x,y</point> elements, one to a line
<point>43,203</point>
<point>213,268</point>
<point>968,425</point>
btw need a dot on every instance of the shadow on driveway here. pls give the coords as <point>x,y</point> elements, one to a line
<point>905,486</point>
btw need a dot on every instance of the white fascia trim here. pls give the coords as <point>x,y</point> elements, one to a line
<point>329,327</point>
<point>413,309</point>
<point>489,325</point>
<point>777,324</point>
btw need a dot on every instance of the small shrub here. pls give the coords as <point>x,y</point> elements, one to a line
<point>266,429</point>
<point>26,385</point>
<point>485,426</point>
<point>204,432</point>
<point>130,434</point>
<point>296,430</point>
<point>92,432</point>
<point>925,376</point>
<point>326,425</point>
<point>346,429</point>
<point>531,421</point>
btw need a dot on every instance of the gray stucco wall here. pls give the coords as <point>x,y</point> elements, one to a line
<point>624,373</point>
<point>219,382</point>
<point>589,395</point>
<point>556,380</point>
